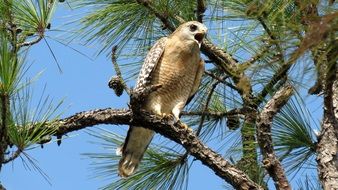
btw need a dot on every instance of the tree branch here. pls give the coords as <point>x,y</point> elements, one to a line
<point>327,147</point>
<point>4,120</point>
<point>13,156</point>
<point>264,138</point>
<point>32,42</point>
<point>281,73</point>
<point>256,57</point>
<point>159,15</point>
<point>117,83</point>
<point>272,37</point>
<point>222,80</point>
<point>236,111</point>
<point>201,8</point>
<point>169,129</point>
<point>206,106</point>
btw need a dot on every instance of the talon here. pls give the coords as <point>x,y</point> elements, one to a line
<point>184,126</point>
<point>167,116</point>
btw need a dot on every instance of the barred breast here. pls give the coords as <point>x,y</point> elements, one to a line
<point>176,72</point>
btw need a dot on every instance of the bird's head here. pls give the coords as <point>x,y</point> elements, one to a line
<point>192,30</point>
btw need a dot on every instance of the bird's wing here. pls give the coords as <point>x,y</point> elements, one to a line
<point>197,81</point>
<point>150,63</point>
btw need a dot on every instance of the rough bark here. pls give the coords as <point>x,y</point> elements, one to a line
<point>328,139</point>
<point>335,110</point>
<point>167,128</point>
<point>264,138</point>
<point>200,9</point>
<point>4,106</point>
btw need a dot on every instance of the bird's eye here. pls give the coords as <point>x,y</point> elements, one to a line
<point>193,28</point>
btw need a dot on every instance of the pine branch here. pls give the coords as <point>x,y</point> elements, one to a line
<point>13,156</point>
<point>201,8</point>
<point>159,15</point>
<point>256,57</point>
<point>4,106</point>
<point>32,42</point>
<point>272,36</point>
<point>264,138</point>
<point>222,80</point>
<point>213,114</point>
<point>206,106</point>
<point>279,75</point>
<point>222,59</point>
<point>2,187</point>
<point>169,129</point>
<point>117,83</point>
<point>328,139</point>
<point>312,38</point>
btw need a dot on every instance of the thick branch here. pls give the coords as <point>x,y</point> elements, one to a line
<point>2,187</point>
<point>169,129</point>
<point>90,118</point>
<point>196,148</point>
<point>335,103</point>
<point>236,111</point>
<point>201,7</point>
<point>327,148</point>
<point>4,111</point>
<point>222,59</point>
<point>264,120</point>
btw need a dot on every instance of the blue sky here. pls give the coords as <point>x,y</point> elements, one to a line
<point>83,86</point>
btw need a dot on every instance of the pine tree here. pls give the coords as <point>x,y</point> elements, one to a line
<point>252,103</point>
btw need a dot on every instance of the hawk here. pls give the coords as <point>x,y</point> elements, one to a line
<point>175,63</point>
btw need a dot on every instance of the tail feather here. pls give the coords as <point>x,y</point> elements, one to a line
<point>135,145</point>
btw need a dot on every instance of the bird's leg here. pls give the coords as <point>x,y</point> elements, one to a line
<point>176,112</point>
<point>157,109</point>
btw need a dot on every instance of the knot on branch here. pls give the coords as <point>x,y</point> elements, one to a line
<point>266,163</point>
<point>116,84</point>
<point>270,161</point>
<point>233,122</point>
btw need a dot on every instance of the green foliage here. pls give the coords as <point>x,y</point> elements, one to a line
<point>309,183</point>
<point>104,23</point>
<point>161,167</point>
<point>10,67</point>
<point>293,134</point>
<point>25,119</point>
<point>32,16</point>
<point>113,22</point>
<point>26,115</point>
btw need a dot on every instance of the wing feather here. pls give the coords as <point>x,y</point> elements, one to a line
<point>150,63</point>
<point>197,81</point>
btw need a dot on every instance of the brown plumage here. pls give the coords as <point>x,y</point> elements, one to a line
<point>175,63</point>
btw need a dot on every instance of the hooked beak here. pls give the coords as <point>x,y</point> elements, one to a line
<point>199,37</point>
